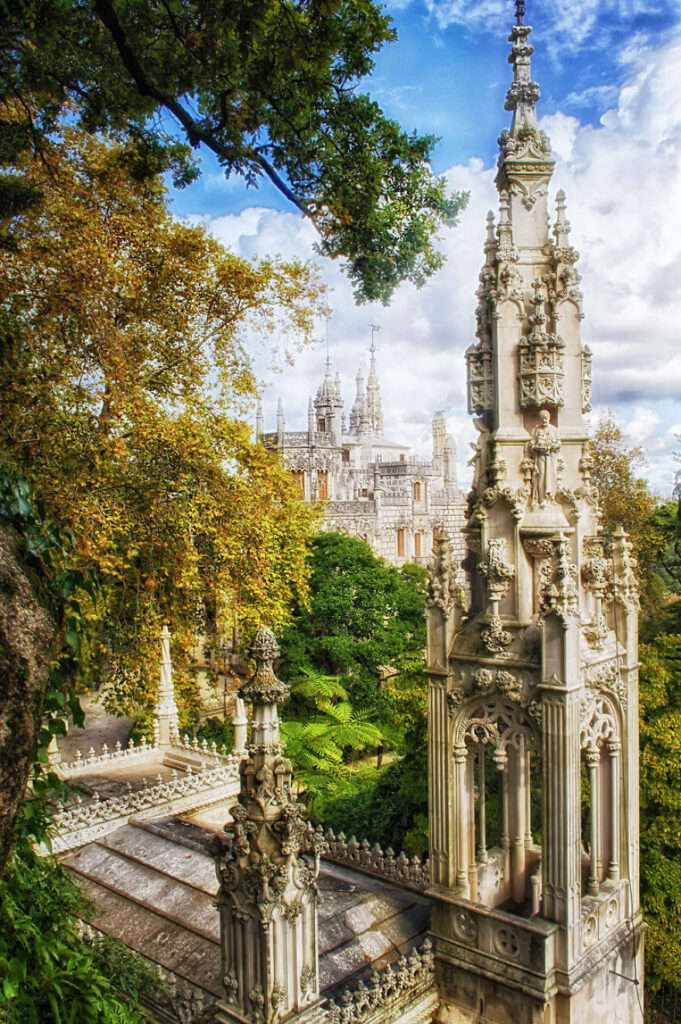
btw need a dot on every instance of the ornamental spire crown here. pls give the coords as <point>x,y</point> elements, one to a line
<point>524,93</point>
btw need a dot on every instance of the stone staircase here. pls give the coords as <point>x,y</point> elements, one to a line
<point>154,885</point>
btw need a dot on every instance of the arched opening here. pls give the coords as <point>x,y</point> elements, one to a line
<point>496,761</point>
<point>601,789</point>
<point>417,491</point>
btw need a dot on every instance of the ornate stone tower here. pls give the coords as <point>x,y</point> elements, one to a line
<point>267,864</point>
<point>533,700</point>
<point>328,405</point>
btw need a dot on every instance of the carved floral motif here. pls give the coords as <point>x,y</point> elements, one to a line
<point>495,638</point>
<point>541,355</point>
<point>442,589</point>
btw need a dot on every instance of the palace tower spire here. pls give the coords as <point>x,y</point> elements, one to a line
<point>533,697</point>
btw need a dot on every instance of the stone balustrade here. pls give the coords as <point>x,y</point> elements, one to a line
<point>84,822</point>
<point>413,874</point>
<point>411,974</point>
<point>93,760</point>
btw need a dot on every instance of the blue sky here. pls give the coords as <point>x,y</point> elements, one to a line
<point>610,91</point>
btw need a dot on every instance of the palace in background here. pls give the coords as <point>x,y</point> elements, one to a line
<point>374,489</point>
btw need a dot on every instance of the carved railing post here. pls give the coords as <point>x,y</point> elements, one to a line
<point>268,894</point>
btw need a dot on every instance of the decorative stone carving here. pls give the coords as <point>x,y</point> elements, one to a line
<point>541,370</point>
<point>626,583</point>
<point>520,661</point>
<point>495,637</point>
<point>597,721</point>
<point>597,576</point>
<point>442,589</point>
<point>586,378</point>
<point>607,677</point>
<point>543,450</point>
<point>557,577</point>
<point>166,720</point>
<point>480,377</point>
<point>496,570</point>
<point>465,927</point>
<point>454,699</point>
<point>497,721</point>
<point>267,865</point>
<point>413,874</point>
<point>84,822</point>
<point>412,974</point>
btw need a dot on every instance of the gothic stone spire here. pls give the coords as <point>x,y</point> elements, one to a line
<point>536,685</point>
<point>268,893</point>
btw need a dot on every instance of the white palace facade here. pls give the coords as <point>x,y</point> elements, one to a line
<point>374,489</point>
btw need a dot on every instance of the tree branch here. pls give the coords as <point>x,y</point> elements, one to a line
<point>195,132</point>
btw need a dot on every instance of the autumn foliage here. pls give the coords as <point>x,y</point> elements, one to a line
<point>124,382</point>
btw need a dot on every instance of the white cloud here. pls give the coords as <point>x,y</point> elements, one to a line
<point>590,23</point>
<point>622,183</point>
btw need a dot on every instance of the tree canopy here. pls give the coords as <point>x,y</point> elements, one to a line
<point>268,86</point>
<point>123,380</point>
<point>363,620</point>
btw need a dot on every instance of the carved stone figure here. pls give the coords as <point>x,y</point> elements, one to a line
<point>544,448</point>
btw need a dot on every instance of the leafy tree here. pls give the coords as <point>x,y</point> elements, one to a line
<point>122,375</point>
<point>626,499</point>
<point>122,378</point>
<point>320,726</point>
<point>364,625</point>
<point>660,705</point>
<point>49,974</point>
<point>268,87</point>
<point>364,620</point>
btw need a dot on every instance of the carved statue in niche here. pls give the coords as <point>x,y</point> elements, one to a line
<point>543,450</point>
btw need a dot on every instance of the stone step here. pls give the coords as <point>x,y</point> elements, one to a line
<point>189,866</point>
<point>171,898</point>
<point>185,953</point>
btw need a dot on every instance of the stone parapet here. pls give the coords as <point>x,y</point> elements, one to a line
<point>85,764</point>
<point>495,944</point>
<point>402,992</point>
<point>84,822</point>
<point>362,856</point>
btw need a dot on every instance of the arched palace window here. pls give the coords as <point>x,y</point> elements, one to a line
<point>496,758</point>
<point>601,791</point>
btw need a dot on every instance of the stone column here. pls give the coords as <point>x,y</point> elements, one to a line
<point>267,864</point>
<point>614,749</point>
<point>482,805</point>
<point>240,726</point>
<point>593,761</point>
<point>518,840</point>
<point>528,800</point>
<point>166,721</point>
<point>470,792</point>
<point>501,761</point>
<point>461,803</point>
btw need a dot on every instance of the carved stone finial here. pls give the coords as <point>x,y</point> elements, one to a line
<point>268,893</point>
<point>166,718</point>
<point>264,687</point>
